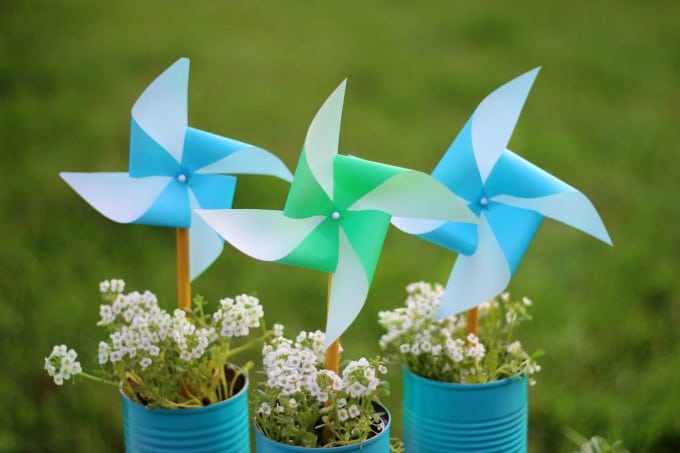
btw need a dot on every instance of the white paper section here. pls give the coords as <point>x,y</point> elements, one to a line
<point>116,195</point>
<point>161,110</point>
<point>322,140</point>
<point>416,195</point>
<point>250,160</point>
<point>266,235</point>
<point>205,245</point>
<point>572,208</point>
<point>416,226</point>
<point>349,288</point>
<point>495,118</point>
<point>476,278</point>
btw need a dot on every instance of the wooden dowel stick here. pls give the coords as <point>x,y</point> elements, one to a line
<point>183,278</point>
<point>333,351</point>
<point>472,320</point>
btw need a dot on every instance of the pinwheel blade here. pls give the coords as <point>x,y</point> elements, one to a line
<point>117,196</point>
<point>495,118</point>
<point>571,208</point>
<point>250,160</point>
<point>323,136</point>
<point>476,278</point>
<point>521,184</point>
<point>161,110</point>
<point>263,234</point>
<point>205,245</point>
<point>412,194</point>
<point>349,288</point>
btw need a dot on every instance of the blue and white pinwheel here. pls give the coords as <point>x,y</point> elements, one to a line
<point>509,195</point>
<point>174,169</point>
<point>337,215</point>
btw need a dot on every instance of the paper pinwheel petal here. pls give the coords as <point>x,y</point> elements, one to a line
<point>174,168</point>
<point>161,110</point>
<point>116,195</point>
<point>337,215</point>
<point>349,289</point>
<point>510,195</point>
<point>263,234</point>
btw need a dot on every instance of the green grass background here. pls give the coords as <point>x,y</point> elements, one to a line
<point>603,116</point>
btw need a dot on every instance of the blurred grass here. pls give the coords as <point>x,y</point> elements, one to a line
<point>603,116</point>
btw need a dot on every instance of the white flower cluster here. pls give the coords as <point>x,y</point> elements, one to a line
<point>114,285</point>
<point>145,325</point>
<point>165,359</point>
<point>192,342</point>
<point>62,364</point>
<point>422,304</point>
<point>299,398</point>
<point>294,367</point>
<point>238,315</point>
<point>443,350</point>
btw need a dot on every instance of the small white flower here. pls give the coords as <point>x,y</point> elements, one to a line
<point>382,369</point>
<point>343,414</point>
<point>264,409</point>
<point>292,403</point>
<point>104,286</point>
<point>526,301</point>
<point>354,411</point>
<point>404,348</point>
<point>145,362</point>
<point>117,285</point>
<point>514,347</point>
<point>61,364</point>
<point>342,402</point>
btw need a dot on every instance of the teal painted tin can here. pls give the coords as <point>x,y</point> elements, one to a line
<point>221,427</point>
<point>451,417</point>
<point>380,443</point>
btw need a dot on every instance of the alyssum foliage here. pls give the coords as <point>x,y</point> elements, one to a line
<point>302,404</point>
<point>442,350</point>
<point>159,359</point>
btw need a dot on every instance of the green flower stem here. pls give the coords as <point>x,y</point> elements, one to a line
<point>97,379</point>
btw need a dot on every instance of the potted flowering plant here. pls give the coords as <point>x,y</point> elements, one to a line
<point>178,386</point>
<point>300,405</point>
<point>462,391</point>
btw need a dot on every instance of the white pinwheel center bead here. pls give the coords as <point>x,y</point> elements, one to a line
<point>182,178</point>
<point>335,215</point>
<point>484,201</point>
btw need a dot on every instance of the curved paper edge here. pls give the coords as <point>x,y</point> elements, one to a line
<point>495,118</point>
<point>571,208</point>
<point>205,245</point>
<point>262,234</point>
<point>476,278</point>
<point>117,196</point>
<point>416,226</point>
<point>412,194</point>
<point>323,136</point>
<point>349,289</point>
<point>161,110</point>
<point>250,160</point>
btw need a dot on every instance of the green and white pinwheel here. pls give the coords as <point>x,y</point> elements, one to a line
<point>337,215</point>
